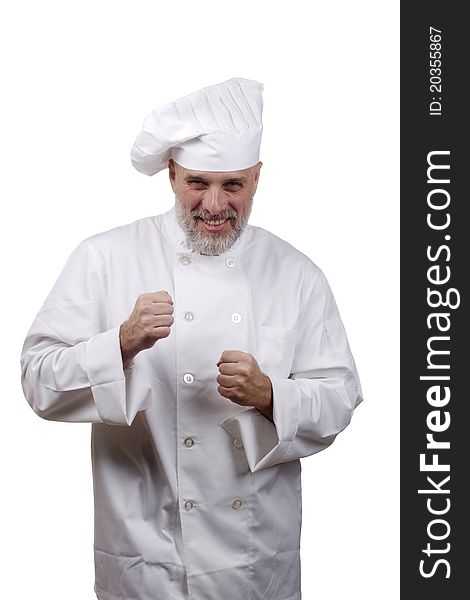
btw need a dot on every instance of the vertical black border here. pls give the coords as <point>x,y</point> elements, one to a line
<point>422,133</point>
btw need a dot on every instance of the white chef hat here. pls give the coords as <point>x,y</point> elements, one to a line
<point>217,128</point>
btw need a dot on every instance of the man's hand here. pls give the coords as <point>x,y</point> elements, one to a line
<point>241,381</point>
<point>150,321</point>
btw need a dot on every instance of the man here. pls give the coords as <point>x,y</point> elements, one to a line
<point>209,356</point>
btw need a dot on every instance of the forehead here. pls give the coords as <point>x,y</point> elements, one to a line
<point>214,176</point>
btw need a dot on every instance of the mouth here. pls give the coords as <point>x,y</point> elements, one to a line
<point>214,224</point>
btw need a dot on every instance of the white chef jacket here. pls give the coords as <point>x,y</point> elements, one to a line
<point>196,497</point>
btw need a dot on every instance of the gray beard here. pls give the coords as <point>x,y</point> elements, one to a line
<point>204,242</point>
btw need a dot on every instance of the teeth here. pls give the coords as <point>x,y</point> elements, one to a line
<point>218,222</point>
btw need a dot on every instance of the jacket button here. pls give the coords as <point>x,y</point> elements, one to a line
<point>188,316</point>
<point>237,503</point>
<point>237,443</point>
<point>230,262</point>
<point>188,505</point>
<point>188,442</point>
<point>188,378</point>
<point>236,318</point>
<point>185,260</point>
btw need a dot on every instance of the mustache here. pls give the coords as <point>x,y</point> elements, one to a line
<point>205,214</point>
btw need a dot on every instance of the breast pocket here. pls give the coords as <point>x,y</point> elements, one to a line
<point>276,348</point>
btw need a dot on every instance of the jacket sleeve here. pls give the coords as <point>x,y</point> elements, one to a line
<point>71,364</point>
<point>317,400</point>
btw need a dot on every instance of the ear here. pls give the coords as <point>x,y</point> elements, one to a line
<point>172,173</point>
<point>256,175</point>
<point>258,169</point>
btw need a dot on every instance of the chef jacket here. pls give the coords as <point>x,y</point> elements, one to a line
<point>195,496</point>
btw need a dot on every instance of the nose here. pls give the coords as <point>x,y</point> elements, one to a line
<point>213,200</point>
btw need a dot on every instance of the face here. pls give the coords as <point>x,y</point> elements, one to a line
<point>213,208</point>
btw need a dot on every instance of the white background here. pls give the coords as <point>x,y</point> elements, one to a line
<point>78,79</point>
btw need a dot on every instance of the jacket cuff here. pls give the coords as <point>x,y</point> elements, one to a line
<point>107,376</point>
<point>267,443</point>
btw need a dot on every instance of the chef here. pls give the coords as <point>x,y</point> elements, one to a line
<point>209,356</point>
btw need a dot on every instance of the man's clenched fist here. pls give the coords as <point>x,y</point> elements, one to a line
<point>150,321</point>
<point>241,380</point>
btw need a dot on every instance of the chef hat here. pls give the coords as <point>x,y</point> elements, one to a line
<point>217,128</point>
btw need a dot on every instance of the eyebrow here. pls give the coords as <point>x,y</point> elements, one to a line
<point>200,179</point>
